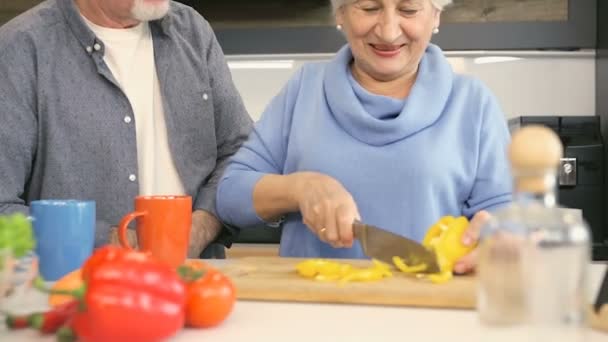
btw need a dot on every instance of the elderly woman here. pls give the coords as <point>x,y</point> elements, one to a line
<point>385,132</point>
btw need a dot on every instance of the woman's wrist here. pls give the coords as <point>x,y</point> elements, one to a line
<point>276,195</point>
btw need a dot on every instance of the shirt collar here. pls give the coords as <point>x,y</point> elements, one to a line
<point>83,33</point>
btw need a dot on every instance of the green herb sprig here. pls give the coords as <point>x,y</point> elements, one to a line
<point>16,234</point>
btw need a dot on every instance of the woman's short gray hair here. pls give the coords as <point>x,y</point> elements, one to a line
<point>439,4</point>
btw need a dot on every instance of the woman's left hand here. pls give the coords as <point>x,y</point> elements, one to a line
<point>468,263</point>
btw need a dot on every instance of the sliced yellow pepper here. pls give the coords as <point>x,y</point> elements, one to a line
<point>325,270</point>
<point>439,278</point>
<point>366,274</point>
<point>306,269</point>
<point>444,237</point>
<point>327,277</point>
<point>408,269</point>
<point>380,264</point>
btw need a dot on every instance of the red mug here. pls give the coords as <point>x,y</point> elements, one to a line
<point>163,227</point>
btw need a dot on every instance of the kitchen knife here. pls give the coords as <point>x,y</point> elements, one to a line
<point>383,245</point>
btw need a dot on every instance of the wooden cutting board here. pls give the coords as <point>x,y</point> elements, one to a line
<point>599,320</point>
<point>275,279</point>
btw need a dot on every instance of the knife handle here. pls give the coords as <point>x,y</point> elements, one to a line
<point>358,229</point>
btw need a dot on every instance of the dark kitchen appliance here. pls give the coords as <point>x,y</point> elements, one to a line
<point>259,234</point>
<point>581,174</point>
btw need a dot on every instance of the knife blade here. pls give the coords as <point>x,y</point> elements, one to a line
<point>383,245</point>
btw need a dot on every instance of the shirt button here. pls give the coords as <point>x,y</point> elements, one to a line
<point>205,97</point>
<point>132,177</point>
<point>97,47</point>
<point>127,119</point>
<point>89,49</point>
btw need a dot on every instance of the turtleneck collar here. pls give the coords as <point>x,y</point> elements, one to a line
<point>380,120</point>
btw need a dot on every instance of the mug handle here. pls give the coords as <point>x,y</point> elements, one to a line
<point>122,227</point>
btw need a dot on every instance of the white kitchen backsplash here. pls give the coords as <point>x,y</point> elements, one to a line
<point>525,82</point>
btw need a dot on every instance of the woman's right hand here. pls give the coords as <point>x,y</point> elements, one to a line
<point>327,208</point>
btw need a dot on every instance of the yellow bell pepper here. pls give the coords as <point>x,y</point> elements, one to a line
<point>436,230</point>
<point>444,237</point>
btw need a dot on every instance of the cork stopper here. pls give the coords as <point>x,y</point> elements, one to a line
<point>535,153</point>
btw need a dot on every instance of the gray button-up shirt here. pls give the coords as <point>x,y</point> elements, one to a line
<point>63,126</point>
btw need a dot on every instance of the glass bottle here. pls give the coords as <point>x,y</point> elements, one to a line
<point>534,256</point>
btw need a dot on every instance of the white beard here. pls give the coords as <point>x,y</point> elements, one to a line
<point>143,11</point>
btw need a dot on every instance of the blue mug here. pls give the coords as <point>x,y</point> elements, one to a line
<point>65,235</point>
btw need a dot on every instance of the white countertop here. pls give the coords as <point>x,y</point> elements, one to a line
<point>291,322</point>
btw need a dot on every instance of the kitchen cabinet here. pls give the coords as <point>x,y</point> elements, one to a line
<point>307,26</point>
<point>295,13</point>
<point>11,8</point>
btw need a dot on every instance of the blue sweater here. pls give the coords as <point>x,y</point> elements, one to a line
<point>441,151</point>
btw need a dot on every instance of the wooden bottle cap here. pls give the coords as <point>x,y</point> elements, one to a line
<point>534,152</point>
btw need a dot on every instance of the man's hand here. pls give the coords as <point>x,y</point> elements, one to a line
<point>131,237</point>
<point>205,228</point>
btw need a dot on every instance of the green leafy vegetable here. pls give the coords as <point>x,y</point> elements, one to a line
<point>16,234</point>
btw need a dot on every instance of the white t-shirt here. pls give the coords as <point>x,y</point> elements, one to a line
<point>129,53</point>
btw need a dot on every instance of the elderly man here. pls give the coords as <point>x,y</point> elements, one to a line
<point>110,99</point>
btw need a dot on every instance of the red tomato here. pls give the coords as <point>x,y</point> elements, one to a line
<point>198,265</point>
<point>210,300</point>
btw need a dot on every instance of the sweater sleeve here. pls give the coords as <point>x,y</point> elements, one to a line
<point>263,153</point>
<point>493,181</point>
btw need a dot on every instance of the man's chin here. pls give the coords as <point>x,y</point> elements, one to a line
<point>148,12</point>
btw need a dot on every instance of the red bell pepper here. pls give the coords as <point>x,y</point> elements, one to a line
<point>106,254</point>
<point>129,298</point>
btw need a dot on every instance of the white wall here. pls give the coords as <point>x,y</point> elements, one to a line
<point>525,82</point>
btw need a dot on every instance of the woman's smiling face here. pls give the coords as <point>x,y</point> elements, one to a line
<point>388,37</point>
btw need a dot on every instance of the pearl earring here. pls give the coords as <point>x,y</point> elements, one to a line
<point>436,30</point>
<point>339,27</point>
